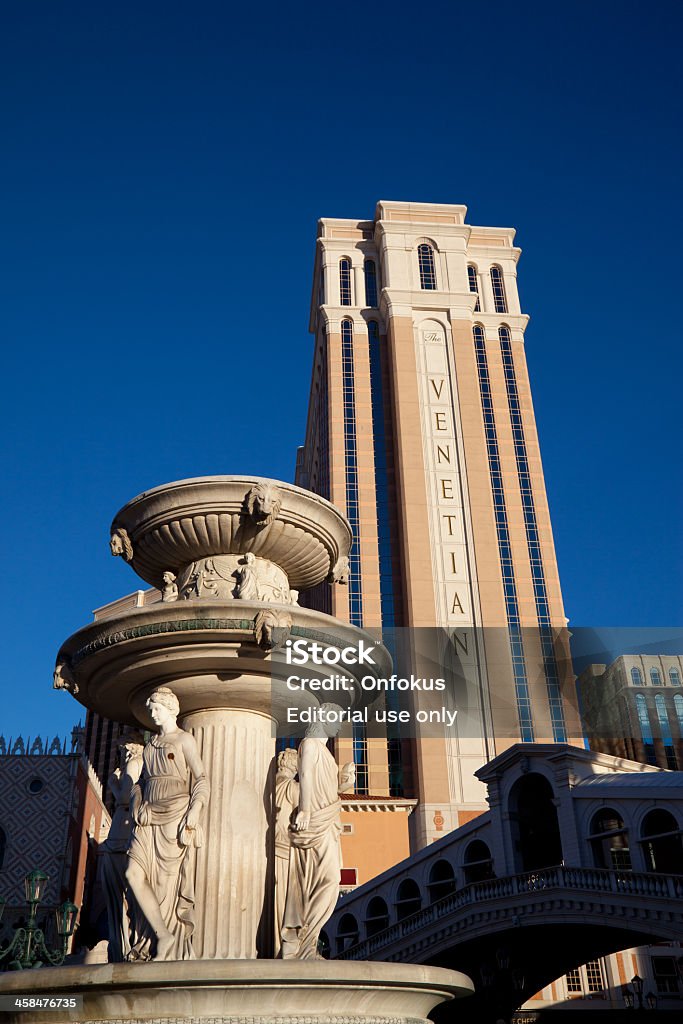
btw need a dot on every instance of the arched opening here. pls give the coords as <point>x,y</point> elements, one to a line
<point>425,261</point>
<point>609,841</point>
<point>408,899</point>
<point>370,273</point>
<point>441,881</point>
<point>535,828</point>
<point>348,933</point>
<point>377,918</point>
<point>345,298</point>
<point>324,945</point>
<point>478,862</point>
<point>662,842</point>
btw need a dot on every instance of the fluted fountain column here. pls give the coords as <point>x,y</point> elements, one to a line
<point>234,910</point>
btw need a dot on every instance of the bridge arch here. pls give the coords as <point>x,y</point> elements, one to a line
<point>408,899</point>
<point>441,880</point>
<point>537,842</point>
<point>376,917</point>
<point>348,933</point>
<point>608,838</point>
<point>477,862</point>
<point>661,839</point>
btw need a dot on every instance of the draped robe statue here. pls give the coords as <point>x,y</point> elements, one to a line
<point>122,912</point>
<point>166,807</point>
<point>315,856</point>
<point>286,801</point>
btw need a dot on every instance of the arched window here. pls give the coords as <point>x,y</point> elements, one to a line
<point>441,881</point>
<point>474,286</point>
<point>345,281</point>
<point>408,899</point>
<point>478,862</point>
<point>534,822</point>
<point>3,847</point>
<point>636,677</point>
<point>609,841</point>
<point>655,677</point>
<point>674,677</point>
<point>645,729</point>
<point>425,259</point>
<point>678,706</point>
<point>347,933</point>
<point>377,917</point>
<point>665,733</point>
<point>370,283</point>
<point>662,842</point>
<point>499,301</point>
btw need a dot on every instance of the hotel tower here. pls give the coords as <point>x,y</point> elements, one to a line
<point>421,430</point>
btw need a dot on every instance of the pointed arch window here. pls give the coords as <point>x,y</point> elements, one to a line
<point>499,301</point>
<point>425,260</point>
<point>370,271</point>
<point>636,677</point>
<point>474,286</point>
<point>345,281</point>
<point>674,677</point>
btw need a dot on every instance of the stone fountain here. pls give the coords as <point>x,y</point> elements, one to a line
<point>228,556</point>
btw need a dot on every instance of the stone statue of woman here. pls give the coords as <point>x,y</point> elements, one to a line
<point>286,801</point>
<point>122,913</point>
<point>315,859</point>
<point>166,807</point>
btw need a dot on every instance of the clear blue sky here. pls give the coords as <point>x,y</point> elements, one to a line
<point>163,166</point>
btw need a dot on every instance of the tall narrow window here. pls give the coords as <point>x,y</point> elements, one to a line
<point>360,746</point>
<point>678,706</point>
<point>474,287</point>
<point>655,677</point>
<point>665,732</point>
<point>425,259</point>
<point>674,677</point>
<point>345,281</point>
<point>645,729</point>
<point>499,302</point>
<point>370,283</point>
<point>636,677</point>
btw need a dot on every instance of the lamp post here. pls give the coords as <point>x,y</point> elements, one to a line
<point>28,948</point>
<point>638,985</point>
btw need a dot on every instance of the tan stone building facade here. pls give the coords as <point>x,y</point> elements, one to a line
<point>421,430</point>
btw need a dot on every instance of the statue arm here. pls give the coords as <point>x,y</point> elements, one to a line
<point>306,777</point>
<point>347,778</point>
<point>199,794</point>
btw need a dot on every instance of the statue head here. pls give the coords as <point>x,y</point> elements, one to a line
<point>162,698</point>
<point>168,577</point>
<point>327,721</point>
<point>288,762</point>
<point>249,558</point>
<point>262,503</point>
<point>120,544</point>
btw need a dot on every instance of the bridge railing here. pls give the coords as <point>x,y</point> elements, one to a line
<point>668,887</point>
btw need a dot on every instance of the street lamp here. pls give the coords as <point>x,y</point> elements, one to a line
<point>638,984</point>
<point>628,997</point>
<point>651,1000</point>
<point>28,948</point>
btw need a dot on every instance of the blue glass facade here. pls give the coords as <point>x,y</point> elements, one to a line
<point>533,542</point>
<point>360,753</point>
<point>526,727</point>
